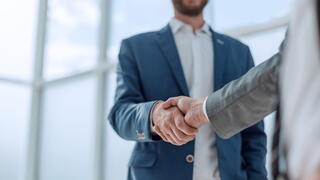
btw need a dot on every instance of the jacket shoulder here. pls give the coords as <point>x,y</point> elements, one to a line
<point>142,37</point>
<point>230,40</point>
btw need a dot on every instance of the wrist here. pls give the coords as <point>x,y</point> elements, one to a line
<point>205,120</point>
<point>202,116</point>
<point>154,112</point>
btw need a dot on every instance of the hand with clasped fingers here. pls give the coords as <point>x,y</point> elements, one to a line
<point>192,109</point>
<point>177,120</point>
<point>168,122</point>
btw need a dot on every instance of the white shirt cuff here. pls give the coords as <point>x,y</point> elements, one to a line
<point>204,108</point>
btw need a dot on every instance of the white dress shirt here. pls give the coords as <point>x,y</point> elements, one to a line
<point>195,49</point>
<point>301,92</point>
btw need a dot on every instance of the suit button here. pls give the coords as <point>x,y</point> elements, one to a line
<point>189,158</point>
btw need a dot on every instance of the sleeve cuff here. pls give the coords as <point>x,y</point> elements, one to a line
<point>204,108</point>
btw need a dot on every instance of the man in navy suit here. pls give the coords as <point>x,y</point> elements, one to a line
<point>176,61</point>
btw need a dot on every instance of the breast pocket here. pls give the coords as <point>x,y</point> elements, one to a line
<point>142,159</point>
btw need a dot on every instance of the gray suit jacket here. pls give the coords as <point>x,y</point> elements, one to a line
<point>245,101</point>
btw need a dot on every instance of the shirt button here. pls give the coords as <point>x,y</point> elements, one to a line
<point>189,158</point>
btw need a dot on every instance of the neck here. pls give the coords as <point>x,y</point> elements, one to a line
<point>195,21</point>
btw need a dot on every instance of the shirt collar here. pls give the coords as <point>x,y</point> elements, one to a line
<point>176,25</point>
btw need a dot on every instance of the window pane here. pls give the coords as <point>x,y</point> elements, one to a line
<point>118,150</point>
<point>17,46</point>
<point>264,45</point>
<point>230,14</point>
<point>14,119</point>
<point>132,17</point>
<point>67,150</point>
<point>72,37</point>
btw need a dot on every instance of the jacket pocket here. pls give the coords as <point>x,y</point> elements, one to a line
<point>142,159</point>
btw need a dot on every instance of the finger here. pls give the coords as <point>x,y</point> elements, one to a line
<point>182,125</point>
<point>171,102</point>
<point>158,131</point>
<point>186,128</point>
<point>172,138</point>
<point>182,138</point>
<point>182,128</point>
<point>184,104</point>
<point>167,133</point>
<point>195,120</point>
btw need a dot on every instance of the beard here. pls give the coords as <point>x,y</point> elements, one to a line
<point>184,9</point>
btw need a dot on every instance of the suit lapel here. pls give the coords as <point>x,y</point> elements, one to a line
<point>168,46</point>
<point>220,59</point>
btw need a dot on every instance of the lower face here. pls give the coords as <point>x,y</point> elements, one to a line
<point>190,7</point>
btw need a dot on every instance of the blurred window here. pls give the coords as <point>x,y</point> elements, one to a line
<point>133,17</point>
<point>68,130</point>
<point>118,150</point>
<point>14,124</point>
<point>264,44</point>
<point>17,35</point>
<point>230,14</point>
<point>72,37</point>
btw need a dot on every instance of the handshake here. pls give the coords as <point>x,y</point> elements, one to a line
<point>178,119</point>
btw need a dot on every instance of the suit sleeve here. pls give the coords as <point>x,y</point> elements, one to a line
<point>254,142</point>
<point>130,115</point>
<point>245,101</point>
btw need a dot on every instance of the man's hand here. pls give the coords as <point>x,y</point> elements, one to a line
<point>169,124</point>
<point>192,108</point>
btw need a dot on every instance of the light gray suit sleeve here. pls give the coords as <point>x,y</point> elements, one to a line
<point>245,101</point>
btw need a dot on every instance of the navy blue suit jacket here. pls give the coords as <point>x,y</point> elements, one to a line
<point>150,70</point>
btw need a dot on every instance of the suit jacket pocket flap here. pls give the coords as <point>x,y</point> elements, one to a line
<point>142,159</point>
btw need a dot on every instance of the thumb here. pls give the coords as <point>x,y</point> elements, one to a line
<point>184,104</point>
<point>171,102</point>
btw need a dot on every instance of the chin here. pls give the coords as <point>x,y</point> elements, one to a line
<point>190,7</point>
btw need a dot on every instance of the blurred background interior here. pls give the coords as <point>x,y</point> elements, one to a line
<point>57,77</point>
